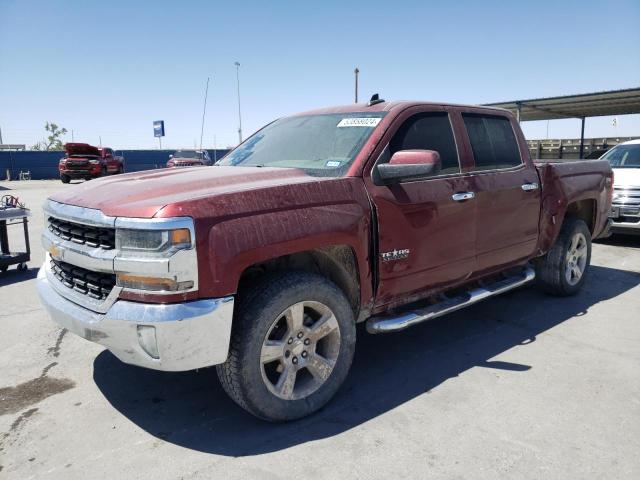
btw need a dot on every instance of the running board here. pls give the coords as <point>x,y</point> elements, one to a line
<point>384,324</point>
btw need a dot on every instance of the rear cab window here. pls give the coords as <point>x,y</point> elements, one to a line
<point>493,141</point>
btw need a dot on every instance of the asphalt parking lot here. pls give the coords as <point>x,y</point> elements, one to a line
<point>521,386</point>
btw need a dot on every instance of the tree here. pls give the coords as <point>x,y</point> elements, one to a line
<point>53,140</point>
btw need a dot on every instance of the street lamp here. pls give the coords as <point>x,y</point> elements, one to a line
<point>237,64</point>
<point>356,72</point>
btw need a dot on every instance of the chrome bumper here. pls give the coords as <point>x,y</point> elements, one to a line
<point>173,337</point>
<point>625,218</point>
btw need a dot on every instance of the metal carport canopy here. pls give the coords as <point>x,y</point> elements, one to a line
<point>613,102</point>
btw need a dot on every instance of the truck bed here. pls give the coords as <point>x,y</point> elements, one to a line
<point>569,181</point>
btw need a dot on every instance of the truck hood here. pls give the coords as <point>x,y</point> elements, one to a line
<point>81,149</point>
<point>626,177</point>
<point>145,194</point>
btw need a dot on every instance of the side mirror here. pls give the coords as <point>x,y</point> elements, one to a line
<point>409,165</point>
<point>170,156</point>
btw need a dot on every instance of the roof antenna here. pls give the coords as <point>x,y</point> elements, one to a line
<point>375,99</point>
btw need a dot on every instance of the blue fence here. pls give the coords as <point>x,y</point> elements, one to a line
<point>43,165</point>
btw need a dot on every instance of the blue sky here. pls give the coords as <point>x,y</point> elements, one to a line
<point>110,68</point>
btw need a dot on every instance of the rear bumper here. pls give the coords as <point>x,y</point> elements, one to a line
<point>172,337</point>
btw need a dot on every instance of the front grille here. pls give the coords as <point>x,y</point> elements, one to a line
<point>83,234</point>
<point>93,284</point>
<point>626,196</point>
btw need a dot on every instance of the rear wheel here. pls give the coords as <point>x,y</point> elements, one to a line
<point>563,270</point>
<point>292,346</point>
<point>65,178</point>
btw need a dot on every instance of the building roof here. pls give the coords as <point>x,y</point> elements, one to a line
<point>614,102</point>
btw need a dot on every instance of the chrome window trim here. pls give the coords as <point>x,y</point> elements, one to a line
<point>522,166</point>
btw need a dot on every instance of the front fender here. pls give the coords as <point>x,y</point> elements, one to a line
<point>236,244</point>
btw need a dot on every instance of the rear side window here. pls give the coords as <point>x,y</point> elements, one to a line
<point>493,142</point>
<point>428,131</point>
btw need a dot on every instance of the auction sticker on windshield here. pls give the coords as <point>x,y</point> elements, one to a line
<point>359,122</point>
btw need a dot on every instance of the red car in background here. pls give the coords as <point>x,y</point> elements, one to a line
<point>82,160</point>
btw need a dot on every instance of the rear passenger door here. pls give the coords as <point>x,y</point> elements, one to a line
<point>506,191</point>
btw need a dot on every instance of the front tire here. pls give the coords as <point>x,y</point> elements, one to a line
<point>563,270</point>
<point>65,178</point>
<point>291,348</point>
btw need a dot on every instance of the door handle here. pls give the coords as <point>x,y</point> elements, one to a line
<point>527,187</point>
<point>462,196</point>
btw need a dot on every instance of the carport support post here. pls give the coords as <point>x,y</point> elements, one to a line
<point>581,139</point>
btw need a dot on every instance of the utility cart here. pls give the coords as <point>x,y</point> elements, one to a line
<point>12,212</point>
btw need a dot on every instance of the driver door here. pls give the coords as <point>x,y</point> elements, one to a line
<point>426,238</point>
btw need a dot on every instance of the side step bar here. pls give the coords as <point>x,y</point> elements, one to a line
<point>384,324</point>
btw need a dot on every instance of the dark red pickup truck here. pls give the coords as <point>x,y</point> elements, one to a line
<point>385,213</point>
<point>85,161</point>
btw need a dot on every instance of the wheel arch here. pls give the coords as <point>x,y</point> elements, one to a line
<point>337,263</point>
<point>585,210</point>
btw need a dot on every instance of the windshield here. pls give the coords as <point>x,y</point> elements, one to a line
<point>323,145</point>
<point>624,156</point>
<point>187,154</point>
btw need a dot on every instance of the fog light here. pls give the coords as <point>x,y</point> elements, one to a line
<point>147,340</point>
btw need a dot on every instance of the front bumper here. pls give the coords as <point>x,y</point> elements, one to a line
<point>81,172</point>
<point>625,218</point>
<point>183,336</point>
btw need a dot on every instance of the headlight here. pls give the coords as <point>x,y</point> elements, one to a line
<point>94,162</point>
<point>152,242</point>
<point>156,255</point>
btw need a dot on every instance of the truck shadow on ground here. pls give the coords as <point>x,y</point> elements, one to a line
<point>191,410</point>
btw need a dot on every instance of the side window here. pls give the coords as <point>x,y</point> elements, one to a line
<point>493,142</point>
<point>428,131</point>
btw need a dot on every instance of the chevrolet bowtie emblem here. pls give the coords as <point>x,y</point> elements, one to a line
<point>55,252</point>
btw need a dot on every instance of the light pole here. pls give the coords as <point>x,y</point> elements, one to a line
<point>204,111</point>
<point>237,64</point>
<point>356,72</point>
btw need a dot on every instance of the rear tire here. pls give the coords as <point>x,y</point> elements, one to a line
<point>281,365</point>
<point>65,178</point>
<point>563,270</point>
